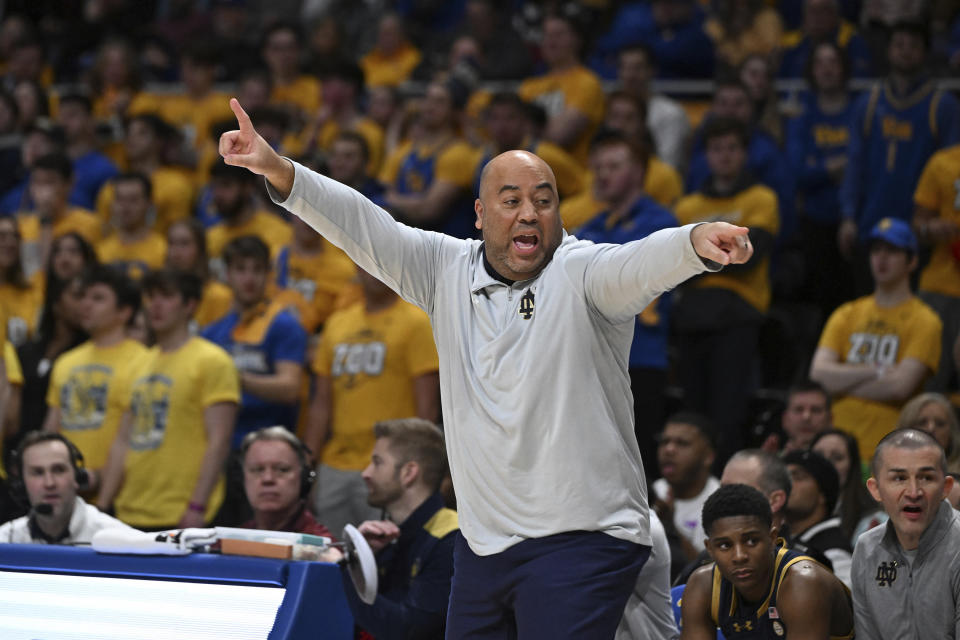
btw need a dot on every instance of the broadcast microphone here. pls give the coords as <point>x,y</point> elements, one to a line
<point>42,509</point>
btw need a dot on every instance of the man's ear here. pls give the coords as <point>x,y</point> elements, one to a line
<point>478,209</point>
<point>948,483</point>
<point>409,473</point>
<point>774,534</point>
<point>874,489</point>
<point>778,500</point>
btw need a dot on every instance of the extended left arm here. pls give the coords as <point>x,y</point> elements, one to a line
<point>621,280</point>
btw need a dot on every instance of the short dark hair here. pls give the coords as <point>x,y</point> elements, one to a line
<point>807,386</point>
<point>126,290</point>
<point>914,28</point>
<point>774,475</point>
<point>735,500</point>
<point>246,247</point>
<point>357,139</point>
<point>281,25</point>
<point>59,163</point>
<point>700,422</point>
<point>908,438</point>
<point>188,285</point>
<point>139,178</point>
<point>640,47</point>
<point>162,129</point>
<point>203,53</point>
<point>76,97</point>
<point>269,114</point>
<point>346,70</point>
<point>508,99</point>
<point>223,171</point>
<point>717,127</point>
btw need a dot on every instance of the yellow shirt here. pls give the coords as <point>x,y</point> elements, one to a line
<point>173,195</point>
<point>76,219</point>
<point>371,132</point>
<point>939,191</point>
<point>381,70</point>
<point>169,395</point>
<point>137,258</point>
<point>195,118</point>
<point>303,94</point>
<point>216,301</point>
<point>762,37</point>
<point>661,182</point>
<point>22,307</point>
<point>15,379</point>
<point>270,228</point>
<point>860,332</point>
<point>312,284</point>
<point>372,360</point>
<point>754,207</point>
<point>91,387</point>
<point>575,88</point>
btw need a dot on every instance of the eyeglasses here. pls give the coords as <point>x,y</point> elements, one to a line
<point>275,469</point>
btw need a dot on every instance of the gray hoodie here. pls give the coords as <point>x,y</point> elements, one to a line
<point>896,596</point>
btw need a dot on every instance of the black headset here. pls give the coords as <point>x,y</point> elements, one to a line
<point>17,486</point>
<point>307,473</point>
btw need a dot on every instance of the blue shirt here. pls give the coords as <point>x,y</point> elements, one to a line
<point>415,175</point>
<point>793,64</point>
<point>414,577</point>
<point>90,172</point>
<point>765,161</point>
<point>272,336</point>
<point>682,51</point>
<point>649,347</point>
<point>891,139</point>
<point>813,137</point>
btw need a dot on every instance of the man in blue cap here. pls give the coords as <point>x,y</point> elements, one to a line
<point>876,351</point>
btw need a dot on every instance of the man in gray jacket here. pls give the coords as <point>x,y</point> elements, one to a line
<point>906,574</point>
<point>533,329</point>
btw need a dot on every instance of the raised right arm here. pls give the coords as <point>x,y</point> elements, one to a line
<point>404,258</point>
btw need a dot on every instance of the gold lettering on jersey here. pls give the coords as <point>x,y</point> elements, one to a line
<point>746,626</point>
<point>826,136</point>
<point>897,129</point>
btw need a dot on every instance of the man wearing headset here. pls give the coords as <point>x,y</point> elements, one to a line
<point>51,473</point>
<point>277,477</point>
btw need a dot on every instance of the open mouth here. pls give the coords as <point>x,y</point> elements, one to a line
<point>526,244</point>
<point>913,512</point>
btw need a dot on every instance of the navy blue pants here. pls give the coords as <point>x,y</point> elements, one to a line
<point>569,585</point>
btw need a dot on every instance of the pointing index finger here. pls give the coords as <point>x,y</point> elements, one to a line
<point>243,119</point>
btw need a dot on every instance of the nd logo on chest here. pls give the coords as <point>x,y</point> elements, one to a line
<point>526,305</point>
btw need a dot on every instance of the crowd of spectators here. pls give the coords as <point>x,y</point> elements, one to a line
<point>159,308</point>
